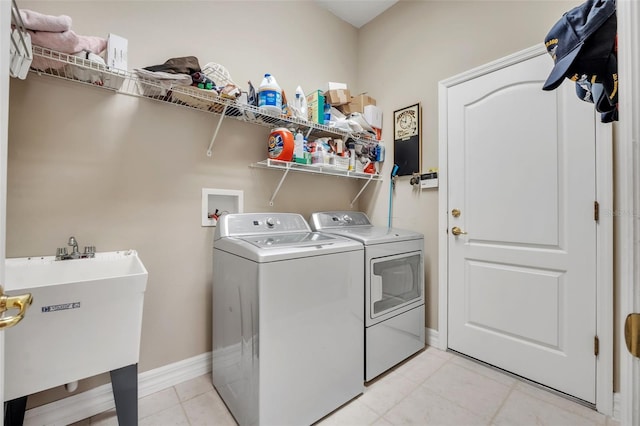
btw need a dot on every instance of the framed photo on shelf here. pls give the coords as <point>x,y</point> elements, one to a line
<point>407,144</point>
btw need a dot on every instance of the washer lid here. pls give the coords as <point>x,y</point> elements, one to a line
<point>375,234</point>
<point>356,225</point>
<point>267,241</point>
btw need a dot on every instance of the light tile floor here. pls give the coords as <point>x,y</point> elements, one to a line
<point>431,388</point>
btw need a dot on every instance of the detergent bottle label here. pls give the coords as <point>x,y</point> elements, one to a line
<point>276,145</point>
<point>270,98</point>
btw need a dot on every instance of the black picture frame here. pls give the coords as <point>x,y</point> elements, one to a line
<point>407,146</point>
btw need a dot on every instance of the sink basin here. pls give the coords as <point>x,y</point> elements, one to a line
<point>85,319</point>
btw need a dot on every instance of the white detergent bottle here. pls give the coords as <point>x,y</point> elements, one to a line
<point>270,95</point>
<point>298,150</point>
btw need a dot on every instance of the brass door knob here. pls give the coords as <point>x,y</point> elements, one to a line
<point>632,334</point>
<point>457,231</point>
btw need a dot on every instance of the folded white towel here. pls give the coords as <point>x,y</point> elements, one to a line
<point>37,21</point>
<point>68,41</point>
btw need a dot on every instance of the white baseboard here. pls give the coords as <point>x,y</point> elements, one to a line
<point>432,337</point>
<point>100,399</point>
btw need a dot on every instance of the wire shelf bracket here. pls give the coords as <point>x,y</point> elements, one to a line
<point>215,133</point>
<point>329,170</point>
<point>362,190</point>
<point>20,49</point>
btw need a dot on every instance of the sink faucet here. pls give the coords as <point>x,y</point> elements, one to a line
<point>73,243</point>
<point>61,253</point>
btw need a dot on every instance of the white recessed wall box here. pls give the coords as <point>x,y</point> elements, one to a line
<point>216,202</point>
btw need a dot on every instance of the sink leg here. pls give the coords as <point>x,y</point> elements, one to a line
<point>14,411</point>
<point>125,392</point>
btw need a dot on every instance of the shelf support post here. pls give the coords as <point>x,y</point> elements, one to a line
<point>215,133</point>
<point>273,197</point>
<point>362,189</point>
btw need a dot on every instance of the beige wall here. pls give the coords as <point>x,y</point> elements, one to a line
<point>121,172</point>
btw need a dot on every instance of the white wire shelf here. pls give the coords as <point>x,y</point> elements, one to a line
<point>79,70</point>
<point>324,169</point>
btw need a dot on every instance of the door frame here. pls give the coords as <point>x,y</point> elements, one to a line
<point>5,29</point>
<point>628,200</point>
<point>604,230</point>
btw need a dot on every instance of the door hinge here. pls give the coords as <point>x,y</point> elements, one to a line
<point>596,345</point>
<point>596,211</point>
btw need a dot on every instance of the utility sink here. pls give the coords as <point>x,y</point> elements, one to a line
<point>86,319</point>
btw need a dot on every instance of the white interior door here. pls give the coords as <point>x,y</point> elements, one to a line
<point>522,276</point>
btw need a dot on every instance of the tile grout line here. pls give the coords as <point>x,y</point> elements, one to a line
<point>184,411</point>
<point>458,403</point>
<point>405,397</point>
<point>525,382</point>
<point>504,401</point>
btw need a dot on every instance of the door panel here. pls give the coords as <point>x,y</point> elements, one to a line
<point>521,157</point>
<point>530,322</point>
<point>522,280</point>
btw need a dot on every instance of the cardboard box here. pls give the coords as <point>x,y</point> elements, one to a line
<point>373,115</point>
<point>360,101</point>
<point>357,104</point>
<point>315,107</point>
<point>337,97</point>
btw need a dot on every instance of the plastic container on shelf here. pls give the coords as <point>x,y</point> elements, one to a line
<point>298,150</point>
<point>380,152</point>
<point>281,144</point>
<point>270,95</point>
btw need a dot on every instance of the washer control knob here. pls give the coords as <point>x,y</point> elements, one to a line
<point>271,222</point>
<point>347,218</point>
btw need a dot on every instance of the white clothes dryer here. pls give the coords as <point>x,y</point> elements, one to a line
<point>287,319</point>
<point>393,287</point>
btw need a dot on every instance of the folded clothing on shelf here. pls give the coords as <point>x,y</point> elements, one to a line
<point>54,32</point>
<point>68,41</point>
<point>37,21</point>
<point>183,65</point>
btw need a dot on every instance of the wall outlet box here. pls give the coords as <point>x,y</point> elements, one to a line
<point>216,202</point>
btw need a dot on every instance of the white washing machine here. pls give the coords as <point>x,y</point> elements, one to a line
<point>287,319</point>
<point>393,287</point>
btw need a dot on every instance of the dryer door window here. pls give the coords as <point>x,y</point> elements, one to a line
<point>395,281</point>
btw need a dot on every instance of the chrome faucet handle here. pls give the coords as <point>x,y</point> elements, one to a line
<point>61,251</point>
<point>89,249</point>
